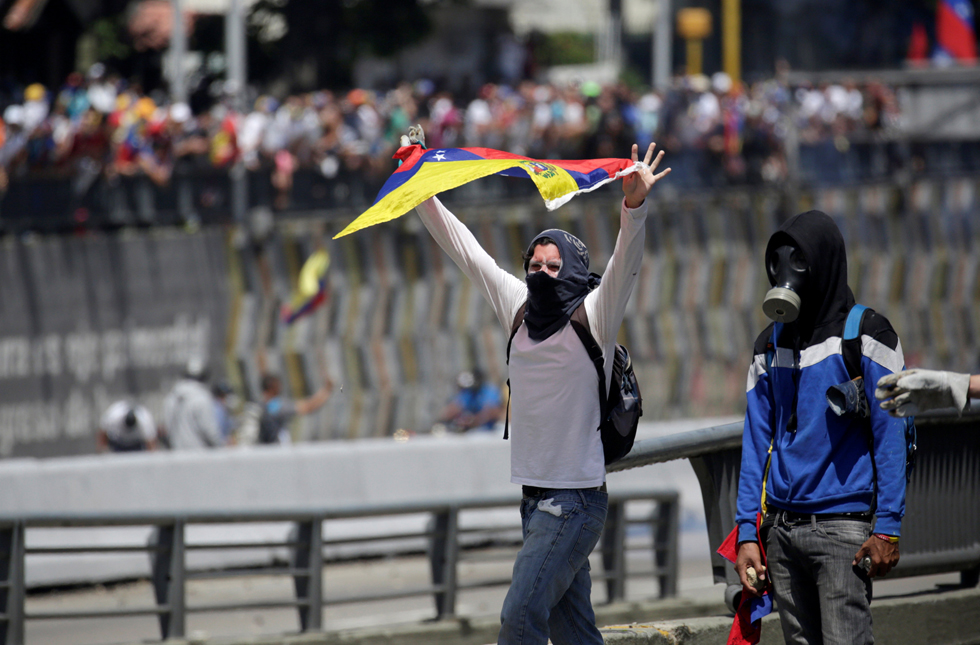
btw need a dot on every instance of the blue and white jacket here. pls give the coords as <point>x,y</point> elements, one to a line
<point>824,465</point>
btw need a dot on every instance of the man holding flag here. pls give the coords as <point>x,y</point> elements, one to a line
<point>556,450</point>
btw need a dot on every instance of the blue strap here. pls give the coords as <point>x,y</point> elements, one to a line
<point>852,328</point>
<point>777,328</point>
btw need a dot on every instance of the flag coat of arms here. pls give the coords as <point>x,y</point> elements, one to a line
<point>425,173</point>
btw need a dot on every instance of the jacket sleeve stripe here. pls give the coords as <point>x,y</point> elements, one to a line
<point>813,355</point>
<point>756,370</point>
<point>892,360</point>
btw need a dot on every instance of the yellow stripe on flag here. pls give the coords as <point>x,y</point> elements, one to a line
<point>434,178</point>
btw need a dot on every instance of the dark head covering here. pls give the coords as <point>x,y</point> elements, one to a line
<point>551,301</point>
<point>826,298</point>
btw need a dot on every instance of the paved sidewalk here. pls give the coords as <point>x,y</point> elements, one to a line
<point>941,616</point>
<point>698,613</point>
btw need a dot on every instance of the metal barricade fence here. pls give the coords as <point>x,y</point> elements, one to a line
<point>941,528</point>
<point>449,544</point>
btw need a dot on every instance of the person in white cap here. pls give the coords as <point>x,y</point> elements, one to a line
<point>126,427</point>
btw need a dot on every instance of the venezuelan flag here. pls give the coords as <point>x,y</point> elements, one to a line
<point>425,173</point>
<point>311,289</point>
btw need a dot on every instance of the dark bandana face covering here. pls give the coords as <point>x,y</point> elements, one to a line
<point>551,301</point>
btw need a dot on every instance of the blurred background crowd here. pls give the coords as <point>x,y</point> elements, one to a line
<point>101,124</point>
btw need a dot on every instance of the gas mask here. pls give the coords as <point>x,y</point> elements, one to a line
<point>788,271</point>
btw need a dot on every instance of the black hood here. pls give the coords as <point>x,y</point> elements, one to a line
<point>552,301</point>
<point>826,298</point>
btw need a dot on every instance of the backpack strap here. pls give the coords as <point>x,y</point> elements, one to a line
<point>851,342</point>
<point>851,351</point>
<point>777,328</point>
<point>514,326</point>
<point>770,359</point>
<point>580,323</point>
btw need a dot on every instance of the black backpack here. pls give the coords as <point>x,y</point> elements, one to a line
<point>621,409</point>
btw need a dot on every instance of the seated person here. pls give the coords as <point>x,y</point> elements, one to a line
<point>476,406</point>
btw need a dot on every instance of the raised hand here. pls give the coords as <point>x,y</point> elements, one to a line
<point>637,185</point>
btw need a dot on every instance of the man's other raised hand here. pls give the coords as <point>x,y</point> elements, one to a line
<point>637,185</point>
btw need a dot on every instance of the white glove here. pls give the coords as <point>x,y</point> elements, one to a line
<point>912,391</point>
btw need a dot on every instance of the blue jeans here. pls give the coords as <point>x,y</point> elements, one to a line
<point>821,597</point>
<point>550,594</point>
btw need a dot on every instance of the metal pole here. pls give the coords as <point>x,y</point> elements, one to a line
<point>663,46</point>
<point>731,19</point>
<point>616,32</point>
<point>160,558</point>
<point>168,578</point>
<point>178,51</point>
<point>13,591</point>
<point>667,527</point>
<point>614,551</point>
<point>177,600</point>
<point>315,590</point>
<point>451,560</point>
<point>437,558</point>
<point>236,54</point>
<point>308,561</point>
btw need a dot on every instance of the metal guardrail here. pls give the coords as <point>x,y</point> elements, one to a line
<point>941,528</point>
<point>168,550</point>
<point>940,532</point>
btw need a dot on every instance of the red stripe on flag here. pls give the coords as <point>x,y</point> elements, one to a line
<point>409,156</point>
<point>585,166</point>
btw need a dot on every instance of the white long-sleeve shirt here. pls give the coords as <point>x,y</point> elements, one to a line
<point>554,388</point>
<point>190,418</point>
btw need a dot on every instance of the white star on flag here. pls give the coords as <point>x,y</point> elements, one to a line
<point>440,155</point>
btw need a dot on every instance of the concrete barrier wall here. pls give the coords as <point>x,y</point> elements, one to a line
<point>402,321</point>
<point>89,320</point>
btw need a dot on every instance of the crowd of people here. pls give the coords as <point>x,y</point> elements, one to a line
<point>99,124</point>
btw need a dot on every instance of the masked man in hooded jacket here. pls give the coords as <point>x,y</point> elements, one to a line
<point>830,489</point>
<point>556,450</point>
